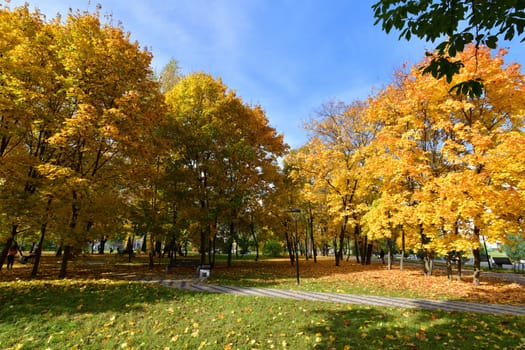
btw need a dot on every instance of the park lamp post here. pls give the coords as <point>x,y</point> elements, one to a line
<point>295,212</point>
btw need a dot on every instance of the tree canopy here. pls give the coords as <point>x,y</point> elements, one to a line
<point>454,24</point>
<point>419,164</point>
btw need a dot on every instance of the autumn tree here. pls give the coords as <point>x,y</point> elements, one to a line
<point>224,153</point>
<point>442,152</point>
<point>31,99</point>
<point>333,160</point>
<point>91,109</point>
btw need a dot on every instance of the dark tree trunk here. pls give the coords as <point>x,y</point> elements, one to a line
<point>390,254</point>
<point>336,251</point>
<point>144,246</point>
<point>428,262</point>
<point>448,261</point>
<point>129,248</point>
<point>369,249</point>
<point>356,244</point>
<point>477,266</point>
<point>203,246</point>
<point>477,259</point>
<point>102,245</point>
<point>210,247</point>
<point>75,209</point>
<point>151,253</point>
<point>311,228</point>
<point>255,242</point>
<point>38,252</point>
<point>305,247</point>
<point>59,250</point>
<point>460,263</point>
<point>364,243</point>
<point>230,247</point>
<point>339,253</point>
<point>212,253</point>
<point>65,258</point>
<point>289,246</point>
<point>402,249</point>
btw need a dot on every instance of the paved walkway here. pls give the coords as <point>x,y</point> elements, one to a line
<point>197,286</point>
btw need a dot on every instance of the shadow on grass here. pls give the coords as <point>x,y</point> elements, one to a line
<point>23,300</point>
<point>394,328</point>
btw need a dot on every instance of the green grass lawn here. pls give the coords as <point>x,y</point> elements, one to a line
<point>104,314</point>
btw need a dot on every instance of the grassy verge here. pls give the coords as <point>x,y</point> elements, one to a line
<point>104,314</point>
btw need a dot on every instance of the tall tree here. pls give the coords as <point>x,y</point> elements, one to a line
<point>442,152</point>
<point>333,161</point>
<point>114,107</point>
<point>224,149</point>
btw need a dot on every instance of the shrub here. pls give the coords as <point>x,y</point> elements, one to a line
<point>273,249</point>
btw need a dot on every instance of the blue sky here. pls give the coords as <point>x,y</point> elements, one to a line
<point>289,56</point>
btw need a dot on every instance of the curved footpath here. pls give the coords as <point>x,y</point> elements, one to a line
<point>445,305</point>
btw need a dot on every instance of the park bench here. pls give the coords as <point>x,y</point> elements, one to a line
<point>24,259</point>
<point>203,271</point>
<point>500,261</point>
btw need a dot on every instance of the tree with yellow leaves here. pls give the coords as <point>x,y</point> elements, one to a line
<point>224,154</point>
<point>446,157</point>
<point>90,111</point>
<point>332,162</point>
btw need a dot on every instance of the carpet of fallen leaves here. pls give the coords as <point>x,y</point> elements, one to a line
<point>494,288</point>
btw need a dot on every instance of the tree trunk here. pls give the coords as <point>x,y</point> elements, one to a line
<point>448,261</point>
<point>341,241</point>
<point>129,248</point>
<point>369,249</point>
<point>306,247</point>
<point>151,253</point>
<point>289,246</point>
<point>364,243</point>
<point>255,242</point>
<point>477,258</point>
<point>477,266</point>
<point>102,245</point>
<point>460,263</point>
<point>59,250</point>
<point>144,247</point>
<point>311,227</point>
<point>213,249</point>
<point>65,258</point>
<point>232,238</point>
<point>230,247</point>
<point>402,249</point>
<point>428,263</point>
<point>348,247</point>
<point>38,252</point>
<point>336,251</point>
<point>202,249</point>
<point>389,254</point>
<point>3,254</point>
<point>356,244</point>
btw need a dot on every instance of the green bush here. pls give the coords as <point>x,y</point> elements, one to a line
<point>273,249</point>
